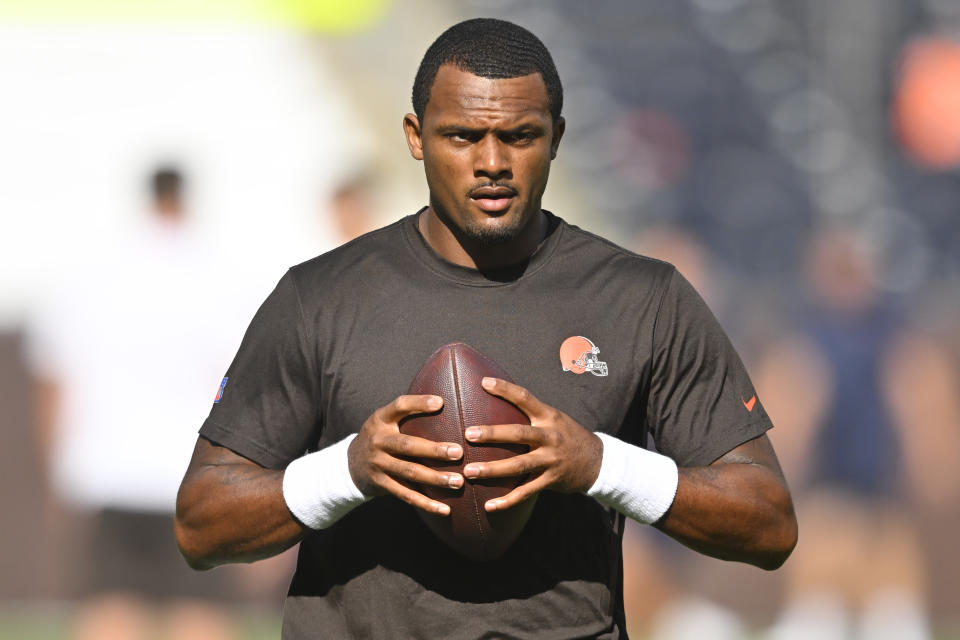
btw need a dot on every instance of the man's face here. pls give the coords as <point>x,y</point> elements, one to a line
<point>486,146</point>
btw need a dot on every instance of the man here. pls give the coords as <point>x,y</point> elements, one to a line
<point>88,346</point>
<point>862,564</point>
<point>344,334</point>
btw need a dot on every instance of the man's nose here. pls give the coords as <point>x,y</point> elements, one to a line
<point>492,158</point>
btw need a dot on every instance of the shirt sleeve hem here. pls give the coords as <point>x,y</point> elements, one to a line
<point>732,439</point>
<point>238,443</point>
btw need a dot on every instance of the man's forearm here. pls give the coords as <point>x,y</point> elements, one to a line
<point>738,508</point>
<point>231,510</point>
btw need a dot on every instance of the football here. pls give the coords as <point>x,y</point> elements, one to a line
<point>454,372</point>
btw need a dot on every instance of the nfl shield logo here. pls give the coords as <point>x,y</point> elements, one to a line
<point>223,383</point>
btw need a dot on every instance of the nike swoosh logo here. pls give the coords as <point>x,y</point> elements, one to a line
<point>749,403</point>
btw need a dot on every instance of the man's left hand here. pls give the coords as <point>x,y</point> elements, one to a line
<point>563,456</point>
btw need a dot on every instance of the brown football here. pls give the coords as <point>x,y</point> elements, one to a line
<point>454,372</point>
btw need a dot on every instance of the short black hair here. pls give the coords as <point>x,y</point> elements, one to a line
<point>488,48</point>
<point>166,182</point>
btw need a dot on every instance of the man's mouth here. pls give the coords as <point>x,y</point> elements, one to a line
<point>493,199</point>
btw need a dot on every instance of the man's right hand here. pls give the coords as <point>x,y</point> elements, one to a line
<point>379,455</point>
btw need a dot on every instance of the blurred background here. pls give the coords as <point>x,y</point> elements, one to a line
<point>163,161</point>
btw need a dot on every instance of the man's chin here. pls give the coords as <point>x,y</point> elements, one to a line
<point>487,230</point>
<point>493,235</point>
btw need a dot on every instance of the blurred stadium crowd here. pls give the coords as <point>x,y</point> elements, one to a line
<point>799,163</point>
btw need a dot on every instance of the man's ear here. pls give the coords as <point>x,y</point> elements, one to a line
<point>558,128</point>
<point>411,129</point>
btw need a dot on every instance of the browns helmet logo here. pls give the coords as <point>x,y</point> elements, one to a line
<point>579,355</point>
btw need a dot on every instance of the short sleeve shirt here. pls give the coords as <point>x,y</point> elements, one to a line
<point>345,333</point>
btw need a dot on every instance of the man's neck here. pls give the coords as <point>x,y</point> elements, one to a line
<point>454,248</point>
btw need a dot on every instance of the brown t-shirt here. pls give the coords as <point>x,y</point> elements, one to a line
<point>345,333</point>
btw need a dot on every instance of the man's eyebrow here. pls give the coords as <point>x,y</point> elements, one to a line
<point>458,128</point>
<point>525,127</point>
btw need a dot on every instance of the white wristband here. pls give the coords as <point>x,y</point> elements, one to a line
<point>638,483</point>
<point>318,488</point>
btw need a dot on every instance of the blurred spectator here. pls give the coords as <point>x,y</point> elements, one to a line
<point>351,211</point>
<point>124,353</point>
<point>858,570</point>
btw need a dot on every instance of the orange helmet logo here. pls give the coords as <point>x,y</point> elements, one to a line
<point>579,355</point>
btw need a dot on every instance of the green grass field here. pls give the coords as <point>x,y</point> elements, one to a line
<point>34,623</point>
